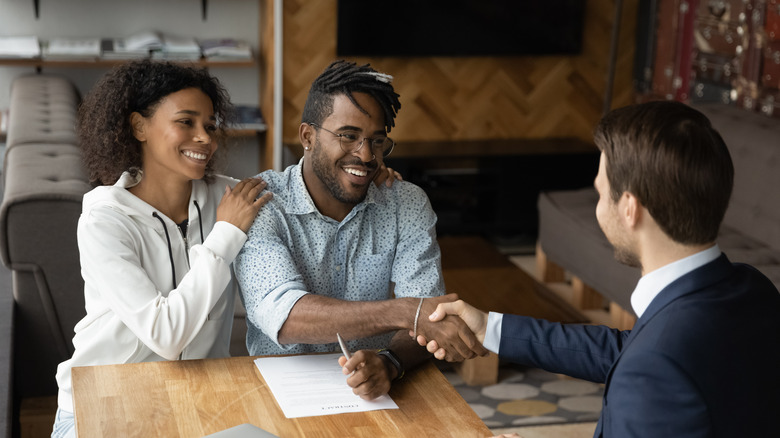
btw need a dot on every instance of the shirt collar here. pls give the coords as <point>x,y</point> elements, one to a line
<point>650,285</point>
<point>300,201</point>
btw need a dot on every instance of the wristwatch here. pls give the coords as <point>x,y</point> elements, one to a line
<point>395,360</point>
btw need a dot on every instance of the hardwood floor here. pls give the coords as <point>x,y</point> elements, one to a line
<point>578,430</point>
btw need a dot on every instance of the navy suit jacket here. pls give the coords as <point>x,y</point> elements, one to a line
<point>702,361</point>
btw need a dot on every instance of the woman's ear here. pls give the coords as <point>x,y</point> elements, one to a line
<point>306,135</point>
<point>138,122</point>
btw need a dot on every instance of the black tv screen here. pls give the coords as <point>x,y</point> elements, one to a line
<point>459,27</point>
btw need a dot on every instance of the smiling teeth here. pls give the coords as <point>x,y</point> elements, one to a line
<point>355,172</point>
<point>195,155</point>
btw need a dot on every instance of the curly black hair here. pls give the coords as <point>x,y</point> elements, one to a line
<point>105,133</point>
<point>344,77</point>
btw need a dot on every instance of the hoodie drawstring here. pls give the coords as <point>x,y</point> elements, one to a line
<point>168,238</point>
<point>170,250</point>
<point>200,222</point>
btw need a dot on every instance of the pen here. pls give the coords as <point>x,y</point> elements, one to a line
<point>343,345</point>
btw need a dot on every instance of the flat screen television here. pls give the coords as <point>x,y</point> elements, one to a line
<point>459,27</point>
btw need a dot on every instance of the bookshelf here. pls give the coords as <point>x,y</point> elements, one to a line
<point>245,77</point>
<point>100,52</point>
<point>40,64</point>
<point>204,6</point>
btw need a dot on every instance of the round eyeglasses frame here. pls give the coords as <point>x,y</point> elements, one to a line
<point>351,144</point>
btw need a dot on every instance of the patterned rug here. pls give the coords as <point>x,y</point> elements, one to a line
<point>528,396</point>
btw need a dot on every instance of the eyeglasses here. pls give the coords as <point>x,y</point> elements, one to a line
<point>351,143</point>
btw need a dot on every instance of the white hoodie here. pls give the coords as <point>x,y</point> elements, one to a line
<point>134,311</point>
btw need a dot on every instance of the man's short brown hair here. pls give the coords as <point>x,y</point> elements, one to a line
<point>669,156</point>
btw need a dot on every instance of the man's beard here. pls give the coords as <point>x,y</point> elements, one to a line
<point>327,174</point>
<point>627,257</point>
<point>620,245</point>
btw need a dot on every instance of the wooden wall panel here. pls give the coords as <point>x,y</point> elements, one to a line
<point>462,98</point>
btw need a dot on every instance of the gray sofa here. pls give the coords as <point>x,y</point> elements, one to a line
<point>570,238</point>
<point>44,183</point>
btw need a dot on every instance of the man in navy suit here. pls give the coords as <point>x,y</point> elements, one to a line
<point>703,359</point>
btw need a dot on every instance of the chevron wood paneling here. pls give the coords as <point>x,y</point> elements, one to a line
<point>464,98</point>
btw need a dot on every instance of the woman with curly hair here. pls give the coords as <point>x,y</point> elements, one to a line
<point>158,234</point>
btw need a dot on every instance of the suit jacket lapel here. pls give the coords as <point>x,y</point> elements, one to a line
<point>701,277</point>
<point>713,272</point>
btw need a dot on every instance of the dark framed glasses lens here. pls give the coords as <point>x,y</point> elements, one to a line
<point>380,143</point>
<point>387,147</point>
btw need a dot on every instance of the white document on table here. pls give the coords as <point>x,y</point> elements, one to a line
<point>312,385</point>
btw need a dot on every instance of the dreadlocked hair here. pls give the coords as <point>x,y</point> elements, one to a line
<point>344,77</point>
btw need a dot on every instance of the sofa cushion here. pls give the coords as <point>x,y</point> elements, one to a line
<point>42,110</point>
<point>754,143</point>
<point>41,174</point>
<point>741,248</point>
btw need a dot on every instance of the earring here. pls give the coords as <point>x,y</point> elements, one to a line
<point>306,148</point>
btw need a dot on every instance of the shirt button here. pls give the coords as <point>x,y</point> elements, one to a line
<point>338,268</point>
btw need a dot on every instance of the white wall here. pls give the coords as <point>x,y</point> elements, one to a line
<point>121,18</point>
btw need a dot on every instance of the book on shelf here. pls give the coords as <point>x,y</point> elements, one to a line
<point>146,40</point>
<point>135,46</point>
<point>225,49</point>
<point>115,48</point>
<point>249,117</point>
<point>178,48</point>
<point>21,47</point>
<point>71,49</point>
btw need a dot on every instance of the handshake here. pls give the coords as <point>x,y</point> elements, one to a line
<point>452,330</point>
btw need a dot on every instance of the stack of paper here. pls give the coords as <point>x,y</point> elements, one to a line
<point>138,45</point>
<point>225,49</point>
<point>307,386</point>
<point>178,48</point>
<point>72,49</point>
<point>19,47</point>
<point>115,48</point>
<point>149,40</point>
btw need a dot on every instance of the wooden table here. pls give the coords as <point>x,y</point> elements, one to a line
<point>193,398</point>
<point>486,279</point>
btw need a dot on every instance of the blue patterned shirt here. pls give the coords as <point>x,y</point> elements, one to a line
<point>293,250</point>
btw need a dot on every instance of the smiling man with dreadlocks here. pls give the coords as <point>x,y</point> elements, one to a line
<point>334,253</point>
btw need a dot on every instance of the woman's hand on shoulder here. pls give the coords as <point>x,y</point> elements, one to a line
<point>386,175</point>
<point>240,205</point>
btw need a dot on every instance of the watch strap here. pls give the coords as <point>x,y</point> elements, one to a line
<point>395,360</point>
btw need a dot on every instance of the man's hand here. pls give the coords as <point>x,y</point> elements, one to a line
<point>455,341</point>
<point>370,376</point>
<point>386,175</point>
<point>475,319</point>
